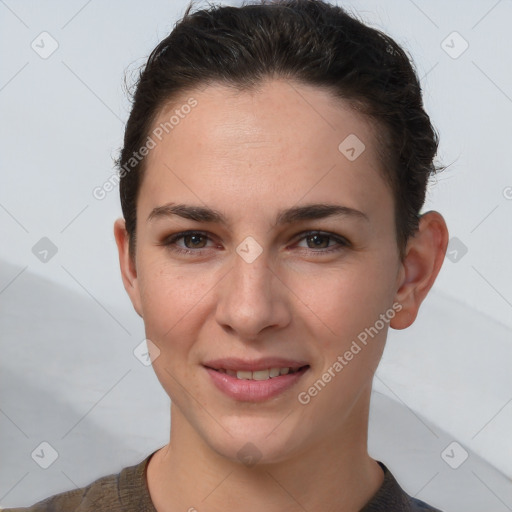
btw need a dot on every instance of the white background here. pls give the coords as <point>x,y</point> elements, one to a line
<point>61,125</point>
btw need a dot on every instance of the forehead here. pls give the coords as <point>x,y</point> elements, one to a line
<point>280,142</point>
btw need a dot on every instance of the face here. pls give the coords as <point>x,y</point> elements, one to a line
<point>263,244</point>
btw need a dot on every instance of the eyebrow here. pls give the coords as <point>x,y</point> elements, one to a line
<point>295,214</point>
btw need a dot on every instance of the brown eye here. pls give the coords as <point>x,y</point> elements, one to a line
<point>189,243</point>
<point>318,241</point>
<point>322,243</point>
<point>195,241</point>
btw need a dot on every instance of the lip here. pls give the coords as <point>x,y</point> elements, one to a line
<point>255,390</point>
<point>234,363</point>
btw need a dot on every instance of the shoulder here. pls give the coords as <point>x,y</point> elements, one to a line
<point>391,496</point>
<point>100,493</point>
<point>125,491</point>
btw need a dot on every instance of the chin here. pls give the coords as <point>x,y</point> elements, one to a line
<point>257,441</point>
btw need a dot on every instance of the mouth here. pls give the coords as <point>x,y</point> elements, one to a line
<point>269,373</point>
<point>255,381</point>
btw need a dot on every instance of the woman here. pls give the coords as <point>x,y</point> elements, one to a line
<point>274,166</point>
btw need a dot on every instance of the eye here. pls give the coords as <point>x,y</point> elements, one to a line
<point>322,242</point>
<point>194,240</point>
<point>187,242</point>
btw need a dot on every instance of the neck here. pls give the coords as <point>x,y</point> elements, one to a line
<point>335,473</point>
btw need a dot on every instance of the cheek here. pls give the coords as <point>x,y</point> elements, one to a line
<point>340,303</point>
<point>170,294</point>
<point>173,304</point>
<point>343,308</point>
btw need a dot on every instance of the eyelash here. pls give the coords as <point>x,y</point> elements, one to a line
<point>169,242</point>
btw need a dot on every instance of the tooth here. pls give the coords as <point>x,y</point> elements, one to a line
<point>258,375</point>
<point>261,375</point>
<point>274,372</point>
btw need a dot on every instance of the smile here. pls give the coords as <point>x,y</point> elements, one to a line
<point>255,381</point>
<point>270,373</point>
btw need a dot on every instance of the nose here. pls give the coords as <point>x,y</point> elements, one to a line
<point>252,298</point>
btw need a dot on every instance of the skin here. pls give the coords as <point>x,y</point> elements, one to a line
<point>250,155</point>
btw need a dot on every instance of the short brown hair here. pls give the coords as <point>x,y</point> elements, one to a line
<point>309,41</point>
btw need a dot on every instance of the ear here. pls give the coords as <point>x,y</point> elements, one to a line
<point>424,257</point>
<point>127,264</point>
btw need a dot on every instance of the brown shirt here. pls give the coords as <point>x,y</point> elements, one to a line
<point>127,491</point>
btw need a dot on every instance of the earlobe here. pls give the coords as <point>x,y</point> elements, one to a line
<point>127,264</point>
<point>424,257</point>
